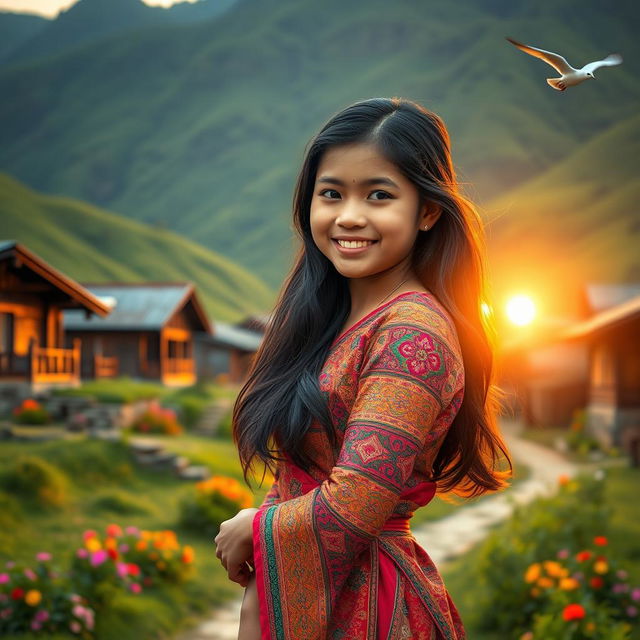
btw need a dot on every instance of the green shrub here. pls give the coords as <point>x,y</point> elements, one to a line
<point>535,533</point>
<point>224,426</point>
<point>34,479</point>
<point>119,502</point>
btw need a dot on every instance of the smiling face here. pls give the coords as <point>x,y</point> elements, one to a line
<point>359,194</point>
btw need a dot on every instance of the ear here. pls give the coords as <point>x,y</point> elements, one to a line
<point>429,214</point>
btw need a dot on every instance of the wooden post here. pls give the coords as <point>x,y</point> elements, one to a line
<point>76,358</point>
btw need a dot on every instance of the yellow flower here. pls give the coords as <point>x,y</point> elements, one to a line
<point>110,543</point>
<point>601,567</point>
<point>532,573</point>
<point>93,544</point>
<point>568,584</point>
<point>32,597</point>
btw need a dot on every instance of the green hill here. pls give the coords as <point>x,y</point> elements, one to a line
<point>577,222</point>
<point>89,244</point>
<point>202,127</point>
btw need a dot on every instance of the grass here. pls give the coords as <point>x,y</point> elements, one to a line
<point>105,485</point>
<point>624,541</point>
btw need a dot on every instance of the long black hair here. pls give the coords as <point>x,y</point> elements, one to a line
<point>281,396</point>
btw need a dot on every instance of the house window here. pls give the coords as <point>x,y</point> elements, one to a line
<point>6,332</point>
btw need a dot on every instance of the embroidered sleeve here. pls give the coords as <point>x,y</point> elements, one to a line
<point>306,548</point>
<point>273,495</point>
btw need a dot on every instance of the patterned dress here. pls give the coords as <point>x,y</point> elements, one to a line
<point>333,552</point>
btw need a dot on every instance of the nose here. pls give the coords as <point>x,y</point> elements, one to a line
<point>351,214</point>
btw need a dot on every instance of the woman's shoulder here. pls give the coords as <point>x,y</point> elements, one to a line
<point>423,312</point>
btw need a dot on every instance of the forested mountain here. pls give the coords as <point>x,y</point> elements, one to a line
<point>90,244</point>
<point>202,127</point>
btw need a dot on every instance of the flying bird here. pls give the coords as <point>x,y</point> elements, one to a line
<point>570,76</point>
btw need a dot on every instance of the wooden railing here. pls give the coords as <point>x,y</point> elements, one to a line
<point>52,364</point>
<point>105,366</point>
<point>178,366</point>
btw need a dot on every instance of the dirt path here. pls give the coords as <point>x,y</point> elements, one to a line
<point>450,537</point>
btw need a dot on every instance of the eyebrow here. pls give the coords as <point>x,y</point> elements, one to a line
<point>376,180</point>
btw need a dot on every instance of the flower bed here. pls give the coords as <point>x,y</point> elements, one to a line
<point>42,599</point>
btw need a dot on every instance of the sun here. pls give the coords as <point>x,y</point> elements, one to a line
<point>521,310</point>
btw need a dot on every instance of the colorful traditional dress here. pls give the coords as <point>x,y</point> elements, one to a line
<point>333,553</point>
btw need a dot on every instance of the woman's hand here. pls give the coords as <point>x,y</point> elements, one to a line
<point>234,545</point>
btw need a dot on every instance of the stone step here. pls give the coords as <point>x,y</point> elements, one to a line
<point>194,472</point>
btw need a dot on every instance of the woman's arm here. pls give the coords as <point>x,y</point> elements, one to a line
<point>250,613</point>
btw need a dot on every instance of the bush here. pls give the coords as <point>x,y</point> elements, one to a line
<point>119,502</point>
<point>34,479</point>
<point>157,420</point>
<point>545,575</point>
<point>31,412</point>
<point>224,426</point>
<point>214,500</point>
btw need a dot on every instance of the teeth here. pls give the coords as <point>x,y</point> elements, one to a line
<point>354,244</point>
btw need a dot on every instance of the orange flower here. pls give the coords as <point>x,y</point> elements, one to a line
<point>601,567</point>
<point>545,583</point>
<point>563,479</point>
<point>573,612</point>
<point>568,584</point>
<point>532,573</point>
<point>187,554</point>
<point>32,597</point>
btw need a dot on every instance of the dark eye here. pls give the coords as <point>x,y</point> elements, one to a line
<point>326,191</point>
<point>387,195</point>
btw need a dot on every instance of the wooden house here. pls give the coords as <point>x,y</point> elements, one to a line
<point>227,353</point>
<point>613,387</point>
<point>149,334</point>
<point>33,296</point>
<point>550,374</point>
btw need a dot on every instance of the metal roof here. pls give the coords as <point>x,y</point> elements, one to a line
<point>137,306</point>
<point>605,296</point>
<point>604,320</point>
<point>236,337</point>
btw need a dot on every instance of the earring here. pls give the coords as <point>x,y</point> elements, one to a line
<point>426,227</point>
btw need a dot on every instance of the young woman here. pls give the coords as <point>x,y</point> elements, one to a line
<point>372,389</point>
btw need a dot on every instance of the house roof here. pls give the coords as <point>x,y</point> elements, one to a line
<point>236,337</point>
<point>78,296</point>
<point>605,296</point>
<point>607,319</point>
<point>147,306</point>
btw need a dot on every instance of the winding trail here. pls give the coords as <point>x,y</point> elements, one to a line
<point>452,536</point>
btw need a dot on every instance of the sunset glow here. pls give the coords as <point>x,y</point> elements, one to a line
<point>520,310</point>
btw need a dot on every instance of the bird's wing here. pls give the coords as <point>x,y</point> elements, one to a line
<point>610,60</point>
<point>554,59</point>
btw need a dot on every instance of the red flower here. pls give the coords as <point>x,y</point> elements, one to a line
<point>133,569</point>
<point>583,556</point>
<point>420,354</point>
<point>600,541</point>
<point>596,582</point>
<point>573,612</point>
<point>17,593</point>
<point>113,554</point>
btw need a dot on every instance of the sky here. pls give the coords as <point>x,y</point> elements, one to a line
<point>51,8</point>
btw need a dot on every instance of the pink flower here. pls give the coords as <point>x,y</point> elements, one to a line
<point>82,553</point>
<point>89,533</point>
<point>620,587</point>
<point>420,354</point>
<point>10,564</point>
<point>135,587</point>
<point>622,574</point>
<point>5,613</point>
<point>98,557</point>
<point>635,595</point>
<point>78,611</point>
<point>122,569</point>
<point>29,573</point>
<point>4,578</point>
<point>632,612</point>
<point>75,626</point>
<point>123,548</point>
<point>563,554</point>
<point>74,597</point>
<point>42,615</point>
<point>43,556</point>
<point>35,625</point>
<point>132,531</point>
